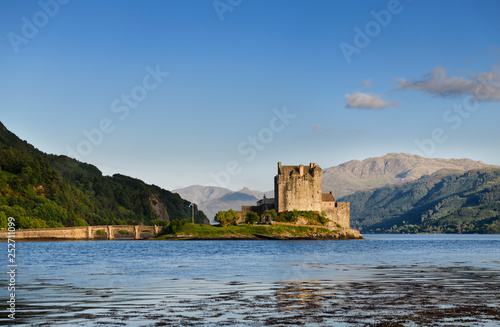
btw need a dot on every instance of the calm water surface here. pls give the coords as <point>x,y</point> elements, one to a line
<point>407,279</point>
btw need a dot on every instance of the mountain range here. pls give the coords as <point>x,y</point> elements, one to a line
<point>343,180</point>
<point>443,202</point>
<point>393,168</point>
<point>212,199</point>
<point>394,193</point>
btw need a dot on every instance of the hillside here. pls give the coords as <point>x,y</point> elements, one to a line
<point>344,179</point>
<point>212,199</point>
<point>393,168</point>
<point>458,203</point>
<point>42,190</point>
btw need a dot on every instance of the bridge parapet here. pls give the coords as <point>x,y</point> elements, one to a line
<point>82,233</point>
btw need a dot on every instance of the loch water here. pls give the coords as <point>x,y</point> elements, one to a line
<point>382,279</point>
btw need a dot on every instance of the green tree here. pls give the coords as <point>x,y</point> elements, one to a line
<point>225,218</point>
<point>4,223</point>
<point>158,222</point>
<point>271,213</point>
<point>54,224</point>
<point>27,223</point>
<point>252,218</point>
<point>79,222</point>
<point>175,225</point>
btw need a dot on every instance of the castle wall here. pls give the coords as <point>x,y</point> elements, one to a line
<point>300,190</point>
<point>339,212</point>
<point>264,204</point>
<point>242,214</point>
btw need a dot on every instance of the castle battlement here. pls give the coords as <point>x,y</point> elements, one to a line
<point>299,188</point>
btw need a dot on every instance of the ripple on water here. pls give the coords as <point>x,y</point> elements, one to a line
<point>424,281</point>
<point>442,296</point>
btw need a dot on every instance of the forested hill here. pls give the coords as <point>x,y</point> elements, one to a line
<point>42,190</point>
<point>393,168</point>
<point>443,202</point>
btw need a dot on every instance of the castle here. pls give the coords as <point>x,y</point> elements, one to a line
<point>299,188</point>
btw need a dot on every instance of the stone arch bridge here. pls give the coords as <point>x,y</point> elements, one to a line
<point>85,233</point>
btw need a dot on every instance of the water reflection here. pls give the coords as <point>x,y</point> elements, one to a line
<point>394,295</point>
<point>295,296</point>
<point>392,281</point>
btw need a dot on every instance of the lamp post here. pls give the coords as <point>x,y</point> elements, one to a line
<point>192,212</point>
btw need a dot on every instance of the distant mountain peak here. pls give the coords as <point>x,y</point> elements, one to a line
<point>212,199</point>
<point>344,179</point>
<point>392,168</point>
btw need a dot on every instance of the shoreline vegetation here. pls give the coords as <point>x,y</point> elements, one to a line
<point>193,232</point>
<point>277,231</point>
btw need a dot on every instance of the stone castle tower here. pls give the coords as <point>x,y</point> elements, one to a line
<point>299,188</point>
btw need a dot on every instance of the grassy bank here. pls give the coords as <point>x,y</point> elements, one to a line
<point>196,231</point>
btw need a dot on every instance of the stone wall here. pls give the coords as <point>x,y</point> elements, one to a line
<point>298,187</point>
<point>242,214</point>
<point>80,233</point>
<point>339,212</point>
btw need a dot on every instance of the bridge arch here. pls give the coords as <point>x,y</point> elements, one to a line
<point>112,230</point>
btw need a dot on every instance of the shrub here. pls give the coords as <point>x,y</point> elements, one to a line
<point>225,218</point>
<point>252,217</point>
<point>158,222</point>
<point>271,213</point>
<point>175,225</point>
<point>79,222</point>
<point>293,216</point>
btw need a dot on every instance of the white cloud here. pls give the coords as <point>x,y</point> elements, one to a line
<point>483,86</point>
<point>494,49</point>
<point>367,101</point>
<point>318,129</point>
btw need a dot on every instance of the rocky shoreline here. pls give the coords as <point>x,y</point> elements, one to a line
<point>348,234</point>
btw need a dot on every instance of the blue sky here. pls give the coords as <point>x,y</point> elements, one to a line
<point>217,92</point>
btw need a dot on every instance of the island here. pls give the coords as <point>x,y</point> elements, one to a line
<point>299,210</point>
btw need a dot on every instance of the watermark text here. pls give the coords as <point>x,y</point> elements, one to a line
<point>372,29</point>
<point>31,27</point>
<point>254,144</point>
<point>223,6</point>
<point>121,106</point>
<point>11,268</point>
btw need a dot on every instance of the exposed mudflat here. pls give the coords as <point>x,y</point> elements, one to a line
<point>377,296</point>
